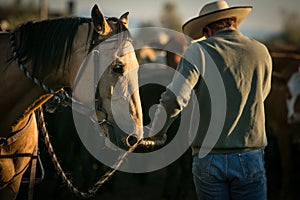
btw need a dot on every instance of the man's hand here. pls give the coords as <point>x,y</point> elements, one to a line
<point>154,141</point>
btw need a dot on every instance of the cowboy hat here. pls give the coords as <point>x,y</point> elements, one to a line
<point>212,12</point>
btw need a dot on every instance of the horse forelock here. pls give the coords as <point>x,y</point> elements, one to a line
<point>48,44</point>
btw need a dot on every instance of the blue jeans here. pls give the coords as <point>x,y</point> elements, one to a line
<point>234,176</point>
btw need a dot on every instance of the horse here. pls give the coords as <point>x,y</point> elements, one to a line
<point>286,61</point>
<point>40,58</point>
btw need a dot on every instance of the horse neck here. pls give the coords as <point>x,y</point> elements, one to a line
<point>19,95</point>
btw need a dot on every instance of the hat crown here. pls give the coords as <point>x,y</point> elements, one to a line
<point>213,7</point>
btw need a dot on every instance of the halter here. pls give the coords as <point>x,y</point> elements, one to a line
<point>61,95</point>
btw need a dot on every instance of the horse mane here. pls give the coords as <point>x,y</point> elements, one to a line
<point>47,44</point>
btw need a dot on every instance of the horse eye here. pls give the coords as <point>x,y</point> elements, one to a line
<point>118,68</point>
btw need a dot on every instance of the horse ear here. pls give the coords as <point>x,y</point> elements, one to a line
<point>99,21</point>
<point>124,19</point>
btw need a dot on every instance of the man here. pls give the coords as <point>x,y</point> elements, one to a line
<point>233,165</point>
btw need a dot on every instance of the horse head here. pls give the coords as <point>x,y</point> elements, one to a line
<point>112,67</point>
<point>119,99</point>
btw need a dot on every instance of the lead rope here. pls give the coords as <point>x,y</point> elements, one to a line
<point>92,191</point>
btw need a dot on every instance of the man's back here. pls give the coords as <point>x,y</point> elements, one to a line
<point>245,67</point>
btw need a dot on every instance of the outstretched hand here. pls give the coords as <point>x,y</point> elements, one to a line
<point>154,142</point>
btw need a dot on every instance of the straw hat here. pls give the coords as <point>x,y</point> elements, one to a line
<point>213,12</point>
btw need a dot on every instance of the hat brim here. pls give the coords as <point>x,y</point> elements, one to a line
<point>194,27</point>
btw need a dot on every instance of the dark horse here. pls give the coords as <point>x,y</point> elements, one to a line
<point>37,60</point>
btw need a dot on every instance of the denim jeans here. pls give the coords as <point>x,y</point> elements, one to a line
<point>234,176</point>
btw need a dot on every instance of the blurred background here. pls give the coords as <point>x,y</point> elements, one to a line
<point>269,19</point>
<point>275,23</point>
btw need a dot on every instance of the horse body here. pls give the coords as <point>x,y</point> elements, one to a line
<point>285,64</point>
<point>53,61</point>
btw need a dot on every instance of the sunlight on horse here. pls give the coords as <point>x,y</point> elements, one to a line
<point>50,53</point>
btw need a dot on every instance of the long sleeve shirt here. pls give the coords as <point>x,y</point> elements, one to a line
<point>230,75</point>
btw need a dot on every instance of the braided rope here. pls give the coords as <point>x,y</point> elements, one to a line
<point>92,191</point>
